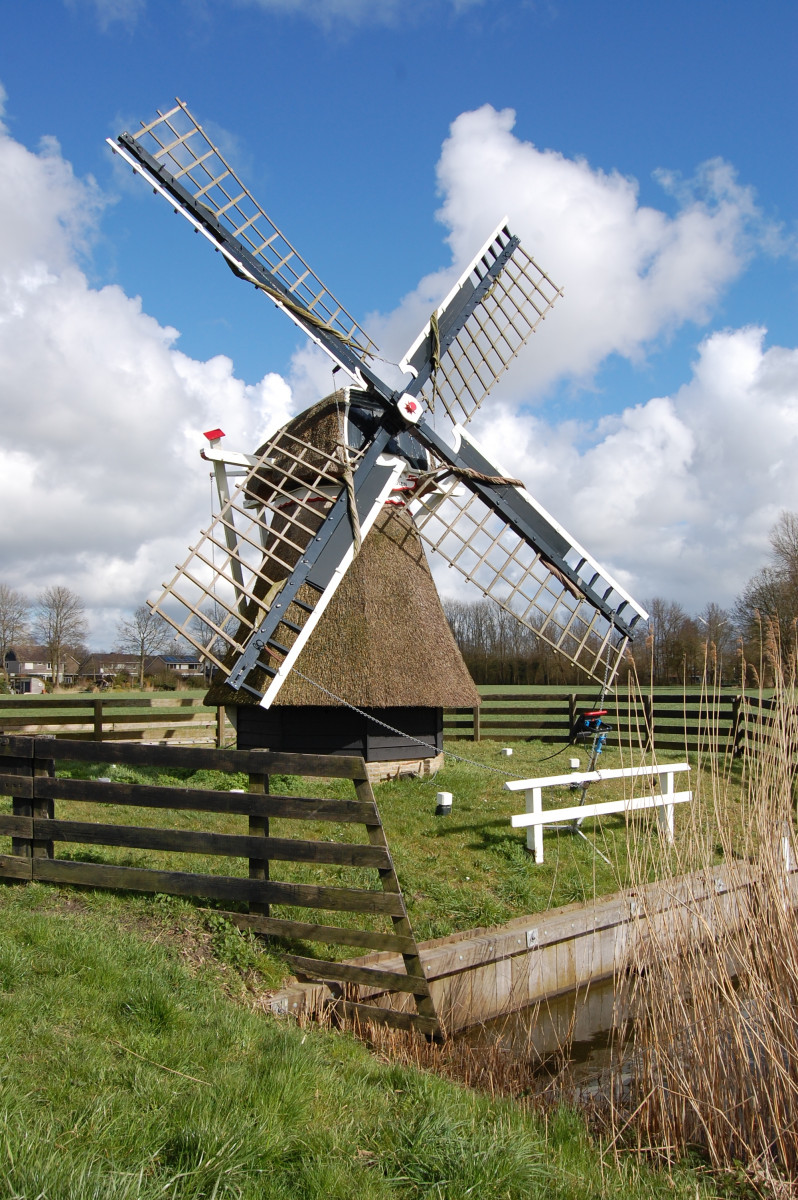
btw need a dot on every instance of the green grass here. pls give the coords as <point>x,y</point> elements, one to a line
<point>128,1072</point>
<point>461,872</point>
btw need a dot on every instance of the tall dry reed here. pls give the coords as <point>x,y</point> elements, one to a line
<point>711,977</point>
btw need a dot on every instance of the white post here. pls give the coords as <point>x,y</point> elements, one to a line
<point>786,850</point>
<point>534,836</point>
<point>665,810</point>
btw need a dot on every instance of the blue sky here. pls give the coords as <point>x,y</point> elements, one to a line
<point>650,166</point>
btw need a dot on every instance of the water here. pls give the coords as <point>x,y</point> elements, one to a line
<point>572,1031</point>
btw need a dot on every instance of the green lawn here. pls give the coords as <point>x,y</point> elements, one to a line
<point>128,1073</point>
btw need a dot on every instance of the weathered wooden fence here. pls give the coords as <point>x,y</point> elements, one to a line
<point>171,717</point>
<point>682,721</point>
<point>39,832</point>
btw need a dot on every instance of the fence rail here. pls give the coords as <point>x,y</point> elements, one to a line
<point>38,832</point>
<point>178,719</point>
<point>687,721</point>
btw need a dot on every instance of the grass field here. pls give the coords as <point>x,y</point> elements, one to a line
<point>130,1072</point>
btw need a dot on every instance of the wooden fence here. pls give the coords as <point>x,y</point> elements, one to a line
<point>170,717</point>
<point>38,832</point>
<point>681,721</point>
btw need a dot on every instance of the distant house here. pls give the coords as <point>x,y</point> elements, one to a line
<point>33,662</point>
<point>102,667</point>
<point>186,666</point>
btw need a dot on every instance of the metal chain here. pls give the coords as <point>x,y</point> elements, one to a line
<point>392,728</point>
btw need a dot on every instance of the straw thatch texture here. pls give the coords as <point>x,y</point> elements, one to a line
<point>384,640</point>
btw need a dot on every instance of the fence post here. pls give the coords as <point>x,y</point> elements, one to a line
<point>665,810</point>
<point>571,717</point>
<point>477,725</point>
<point>21,764</point>
<point>220,727</point>
<point>258,827</point>
<point>42,809</point>
<point>98,720</point>
<point>738,726</point>
<point>534,836</point>
<point>648,718</point>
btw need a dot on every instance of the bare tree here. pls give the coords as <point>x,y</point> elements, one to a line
<point>677,644</point>
<point>204,627</point>
<point>14,620</point>
<point>143,634</point>
<point>770,597</point>
<point>716,629</point>
<point>784,540</point>
<point>59,624</point>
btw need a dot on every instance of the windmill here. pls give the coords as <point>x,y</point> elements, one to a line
<point>293,527</point>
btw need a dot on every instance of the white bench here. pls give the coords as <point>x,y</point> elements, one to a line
<point>535,818</point>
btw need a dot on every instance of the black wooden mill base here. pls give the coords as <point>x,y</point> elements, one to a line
<point>328,730</point>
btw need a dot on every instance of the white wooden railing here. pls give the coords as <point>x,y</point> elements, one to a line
<point>535,818</point>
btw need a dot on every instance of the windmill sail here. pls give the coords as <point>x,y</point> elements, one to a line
<point>254,587</point>
<point>501,540</point>
<point>175,155</point>
<point>473,336</point>
<point>258,581</point>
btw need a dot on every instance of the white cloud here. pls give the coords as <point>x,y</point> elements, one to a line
<point>330,14</point>
<point>110,12</point>
<point>102,487</point>
<point>677,495</point>
<point>340,13</point>
<point>103,415</point>
<point>631,273</point>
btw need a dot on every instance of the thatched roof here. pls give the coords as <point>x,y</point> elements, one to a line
<point>384,640</point>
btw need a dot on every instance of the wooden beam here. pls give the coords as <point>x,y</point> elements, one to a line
<point>139,795</point>
<point>199,758</point>
<point>215,887</point>
<point>190,841</point>
<point>13,866</point>
<point>388,1016</point>
<point>334,935</point>
<point>344,972</point>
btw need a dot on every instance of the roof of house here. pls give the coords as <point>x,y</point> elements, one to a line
<point>111,659</point>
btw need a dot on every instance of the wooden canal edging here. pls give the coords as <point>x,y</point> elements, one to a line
<point>170,717</point>
<point>28,776</point>
<point>483,974</point>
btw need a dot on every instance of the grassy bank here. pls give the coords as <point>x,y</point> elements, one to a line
<point>129,1071</point>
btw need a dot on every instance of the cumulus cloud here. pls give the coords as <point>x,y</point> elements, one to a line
<point>329,14</point>
<point>676,495</point>
<point>102,414</point>
<point>631,273</point>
